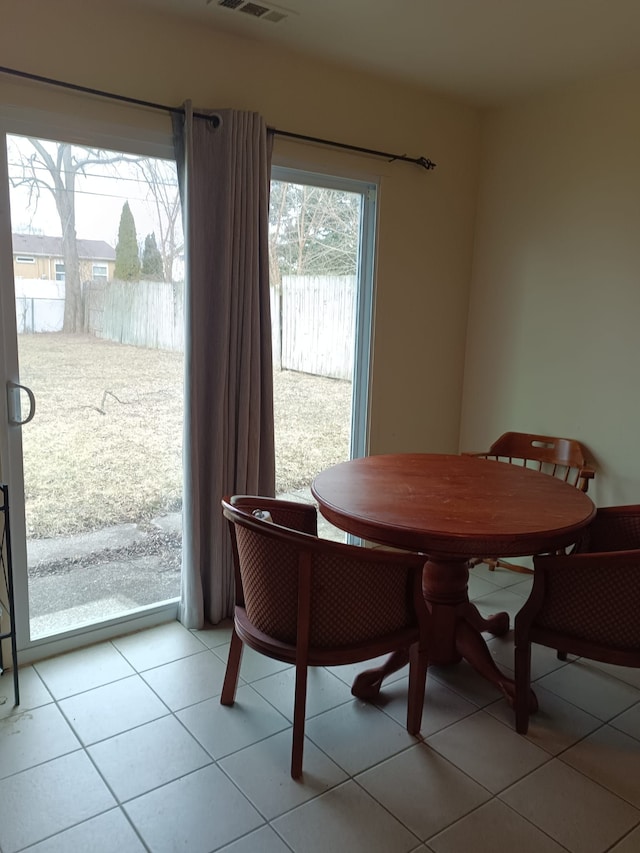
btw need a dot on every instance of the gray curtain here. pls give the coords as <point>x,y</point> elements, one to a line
<point>224,167</point>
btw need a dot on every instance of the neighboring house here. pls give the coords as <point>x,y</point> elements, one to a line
<point>36,256</point>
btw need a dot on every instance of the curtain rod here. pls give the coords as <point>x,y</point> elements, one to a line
<point>419,161</point>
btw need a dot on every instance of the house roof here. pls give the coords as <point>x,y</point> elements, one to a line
<point>51,247</point>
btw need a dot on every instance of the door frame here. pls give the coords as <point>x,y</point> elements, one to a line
<point>96,134</point>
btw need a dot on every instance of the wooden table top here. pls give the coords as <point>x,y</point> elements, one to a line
<point>457,506</point>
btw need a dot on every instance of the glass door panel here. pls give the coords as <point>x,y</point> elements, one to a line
<point>321,261</point>
<point>98,292</point>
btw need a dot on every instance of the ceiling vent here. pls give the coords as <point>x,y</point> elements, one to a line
<point>255,10</point>
<point>274,17</point>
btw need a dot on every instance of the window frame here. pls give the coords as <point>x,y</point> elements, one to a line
<point>369,189</point>
<point>102,276</point>
<point>79,130</point>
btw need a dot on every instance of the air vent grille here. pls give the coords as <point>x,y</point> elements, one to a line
<point>255,10</point>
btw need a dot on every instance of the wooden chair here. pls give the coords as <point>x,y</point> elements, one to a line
<point>564,458</point>
<point>586,603</point>
<point>614,528</point>
<point>312,602</point>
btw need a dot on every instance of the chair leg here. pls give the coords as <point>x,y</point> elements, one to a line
<point>418,663</point>
<point>513,567</point>
<point>299,711</point>
<point>523,686</point>
<point>234,660</point>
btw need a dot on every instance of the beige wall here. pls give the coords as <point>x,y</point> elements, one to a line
<point>426,218</point>
<point>553,343</point>
<point>38,269</point>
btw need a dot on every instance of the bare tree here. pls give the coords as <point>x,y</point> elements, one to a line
<point>312,231</point>
<point>54,166</point>
<point>161,179</point>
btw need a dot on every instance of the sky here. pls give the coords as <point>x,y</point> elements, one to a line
<point>100,196</point>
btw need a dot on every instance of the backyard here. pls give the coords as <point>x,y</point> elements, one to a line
<point>105,445</point>
<point>103,470</point>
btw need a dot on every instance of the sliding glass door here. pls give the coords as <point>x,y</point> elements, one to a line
<point>321,263</point>
<point>92,299</point>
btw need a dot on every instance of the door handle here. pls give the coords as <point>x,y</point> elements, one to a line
<point>14,403</point>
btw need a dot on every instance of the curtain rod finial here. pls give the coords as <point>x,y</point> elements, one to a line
<point>426,163</point>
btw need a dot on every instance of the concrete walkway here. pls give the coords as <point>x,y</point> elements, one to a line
<point>78,580</point>
<point>41,552</point>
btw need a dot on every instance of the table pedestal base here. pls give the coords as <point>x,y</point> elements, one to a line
<point>456,632</point>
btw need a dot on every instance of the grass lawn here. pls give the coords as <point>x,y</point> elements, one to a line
<point>105,445</point>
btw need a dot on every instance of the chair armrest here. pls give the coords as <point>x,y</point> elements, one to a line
<point>586,474</point>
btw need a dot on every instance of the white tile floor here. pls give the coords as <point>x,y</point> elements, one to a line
<point>124,747</point>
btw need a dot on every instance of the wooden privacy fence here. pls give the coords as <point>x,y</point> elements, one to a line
<point>141,313</point>
<point>312,319</point>
<point>313,324</point>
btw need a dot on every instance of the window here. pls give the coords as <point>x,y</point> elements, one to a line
<point>23,259</point>
<point>99,272</point>
<point>153,383</point>
<point>321,243</point>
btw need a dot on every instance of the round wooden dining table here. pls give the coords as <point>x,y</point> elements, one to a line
<point>451,508</point>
